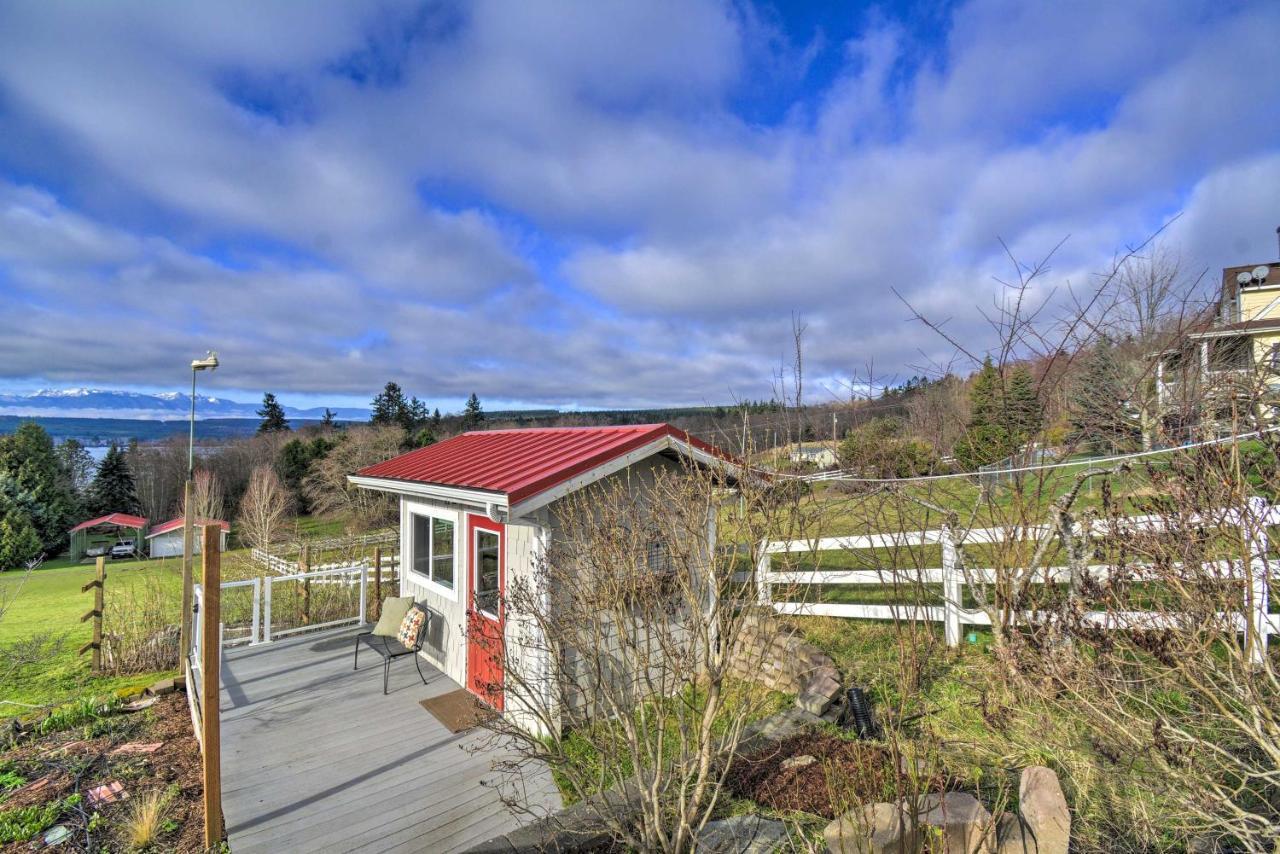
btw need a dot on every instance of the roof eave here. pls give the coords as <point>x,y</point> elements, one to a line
<point>478,497</point>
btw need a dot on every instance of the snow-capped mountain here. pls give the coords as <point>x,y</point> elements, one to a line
<point>164,406</point>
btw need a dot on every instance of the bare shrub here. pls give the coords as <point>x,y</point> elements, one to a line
<point>138,635</point>
<point>207,501</point>
<point>326,485</point>
<point>264,509</point>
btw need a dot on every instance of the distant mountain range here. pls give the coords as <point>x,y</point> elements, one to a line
<point>132,405</point>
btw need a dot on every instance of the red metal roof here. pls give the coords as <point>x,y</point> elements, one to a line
<point>123,520</point>
<point>166,527</point>
<point>523,463</point>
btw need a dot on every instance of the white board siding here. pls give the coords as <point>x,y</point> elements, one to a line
<point>169,544</point>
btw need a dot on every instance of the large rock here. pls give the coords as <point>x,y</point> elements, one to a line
<point>871,829</point>
<point>963,824</point>
<point>742,834</point>
<point>1044,811</point>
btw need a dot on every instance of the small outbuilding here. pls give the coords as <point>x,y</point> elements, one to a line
<point>479,511</point>
<point>165,539</point>
<point>97,536</point>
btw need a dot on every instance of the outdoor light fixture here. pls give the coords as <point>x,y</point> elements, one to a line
<point>208,363</point>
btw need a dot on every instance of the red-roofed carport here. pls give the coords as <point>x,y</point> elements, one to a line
<point>105,531</point>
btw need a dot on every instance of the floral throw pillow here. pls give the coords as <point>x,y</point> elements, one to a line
<point>410,626</point>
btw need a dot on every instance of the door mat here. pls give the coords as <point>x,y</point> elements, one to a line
<point>458,710</point>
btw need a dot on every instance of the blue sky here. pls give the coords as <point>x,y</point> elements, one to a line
<point>595,204</point>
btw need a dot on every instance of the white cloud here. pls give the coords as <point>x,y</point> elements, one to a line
<point>561,203</point>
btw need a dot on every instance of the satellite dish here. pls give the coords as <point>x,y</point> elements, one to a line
<point>1260,273</point>
<point>1243,278</point>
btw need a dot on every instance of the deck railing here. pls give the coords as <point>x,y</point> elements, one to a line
<point>282,605</point>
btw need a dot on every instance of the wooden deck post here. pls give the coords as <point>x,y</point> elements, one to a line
<point>188,551</point>
<point>377,582</point>
<point>98,587</point>
<point>210,687</point>
<point>304,565</point>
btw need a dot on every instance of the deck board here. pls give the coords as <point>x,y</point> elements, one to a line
<point>314,757</point>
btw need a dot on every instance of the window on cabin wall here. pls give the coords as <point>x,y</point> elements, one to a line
<point>433,540</point>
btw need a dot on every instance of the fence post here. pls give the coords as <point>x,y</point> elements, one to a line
<point>257,600</point>
<point>304,565</point>
<point>950,588</point>
<point>1258,622</point>
<point>266,610</point>
<point>364,595</point>
<point>210,683</point>
<point>377,582</point>
<point>764,591</point>
<point>97,585</point>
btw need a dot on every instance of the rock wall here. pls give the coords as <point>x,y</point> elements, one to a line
<point>773,655</point>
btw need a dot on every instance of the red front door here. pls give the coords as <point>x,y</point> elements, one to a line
<point>486,583</point>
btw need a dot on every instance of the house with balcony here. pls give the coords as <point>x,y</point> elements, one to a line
<point>1231,357</point>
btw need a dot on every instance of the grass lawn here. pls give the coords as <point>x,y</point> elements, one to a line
<point>48,604</point>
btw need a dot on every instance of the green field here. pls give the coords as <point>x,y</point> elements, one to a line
<point>47,605</point>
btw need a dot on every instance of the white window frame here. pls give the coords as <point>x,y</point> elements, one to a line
<point>474,580</point>
<point>450,593</point>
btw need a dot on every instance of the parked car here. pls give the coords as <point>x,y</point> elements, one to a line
<point>124,548</point>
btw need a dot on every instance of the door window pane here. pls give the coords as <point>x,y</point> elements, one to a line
<point>487,571</point>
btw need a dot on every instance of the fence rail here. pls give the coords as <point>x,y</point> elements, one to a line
<point>1251,520</point>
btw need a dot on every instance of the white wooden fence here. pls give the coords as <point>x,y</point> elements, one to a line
<point>284,566</point>
<point>1253,521</point>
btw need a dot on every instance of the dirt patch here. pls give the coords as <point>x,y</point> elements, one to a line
<point>58,770</point>
<point>841,775</point>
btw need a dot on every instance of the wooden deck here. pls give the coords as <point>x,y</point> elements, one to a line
<point>315,758</point>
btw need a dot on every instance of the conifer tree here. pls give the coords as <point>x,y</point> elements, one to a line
<point>28,458</point>
<point>473,414</point>
<point>328,419</point>
<point>389,406</point>
<point>272,415</point>
<point>1102,415</point>
<point>112,490</point>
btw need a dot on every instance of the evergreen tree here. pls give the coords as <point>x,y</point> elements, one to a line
<point>112,490</point>
<point>435,419</point>
<point>1005,414</point>
<point>1023,411</point>
<point>473,414</point>
<point>19,541</point>
<point>272,415</point>
<point>425,436</point>
<point>76,463</point>
<point>389,407</point>
<point>415,416</point>
<point>294,464</point>
<point>1102,415</point>
<point>27,457</point>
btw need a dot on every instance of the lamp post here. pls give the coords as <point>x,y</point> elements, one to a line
<point>208,363</point>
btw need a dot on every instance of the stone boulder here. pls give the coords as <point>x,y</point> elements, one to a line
<point>956,818</point>
<point>871,829</point>
<point>742,834</point>
<point>962,822</point>
<point>1044,823</point>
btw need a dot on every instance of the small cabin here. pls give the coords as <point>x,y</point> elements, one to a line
<point>165,539</point>
<point>479,510</point>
